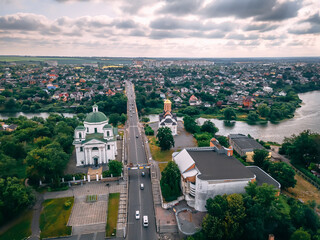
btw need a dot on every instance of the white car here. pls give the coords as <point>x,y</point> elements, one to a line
<point>137,214</point>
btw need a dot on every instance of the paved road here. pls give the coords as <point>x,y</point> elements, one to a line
<point>138,199</point>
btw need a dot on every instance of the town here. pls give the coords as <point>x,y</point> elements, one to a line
<point>96,165</point>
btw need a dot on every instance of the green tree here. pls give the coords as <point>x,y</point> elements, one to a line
<point>253,116</point>
<point>115,168</point>
<point>114,119</point>
<point>170,182</point>
<point>165,138</point>
<point>260,156</point>
<point>229,114</point>
<point>264,110</point>
<point>190,124</point>
<point>209,127</point>
<point>283,173</point>
<point>300,234</point>
<point>47,162</point>
<point>6,163</point>
<point>223,141</point>
<point>123,118</point>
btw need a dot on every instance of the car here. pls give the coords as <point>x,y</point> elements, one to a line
<point>145,221</point>
<point>143,174</point>
<point>141,186</point>
<point>137,136</point>
<point>137,214</point>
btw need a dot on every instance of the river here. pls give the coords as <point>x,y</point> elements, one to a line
<point>306,117</point>
<point>31,115</point>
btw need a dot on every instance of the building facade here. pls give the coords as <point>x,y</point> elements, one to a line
<point>96,141</point>
<point>167,118</point>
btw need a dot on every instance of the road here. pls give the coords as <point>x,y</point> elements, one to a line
<point>138,199</point>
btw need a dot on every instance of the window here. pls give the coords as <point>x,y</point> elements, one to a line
<point>80,136</point>
<point>108,147</point>
<point>95,148</point>
<point>81,149</point>
<point>108,133</point>
<point>95,130</point>
<point>87,129</point>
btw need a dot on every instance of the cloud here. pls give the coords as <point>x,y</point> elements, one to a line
<point>238,36</point>
<point>281,12</point>
<point>237,8</point>
<point>156,34</point>
<point>22,21</point>
<point>124,24</point>
<point>314,19</point>
<point>260,27</point>
<point>180,7</point>
<point>313,29</point>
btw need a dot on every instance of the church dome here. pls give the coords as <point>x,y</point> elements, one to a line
<point>96,116</point>
<point>167,101</point>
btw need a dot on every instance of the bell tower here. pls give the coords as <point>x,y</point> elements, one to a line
<point>167,106</point>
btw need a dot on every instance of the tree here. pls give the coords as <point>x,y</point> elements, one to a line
<point>260,156</point>
<point>226,217</point>
<point>190,124</point>
<point>229,114</point>
<point>209,127</point>
<point>123,118</point>
<point>223,141</point>
<point>253,116</point>
<point>115,168</point>
<point>170,182</point>
<point>263,110</point>
<point>6,163</point>
<point>300,234</point>
<point>47,162</point>
<point>165,138</point>
<point>283,173</point>
<point>114,118</point>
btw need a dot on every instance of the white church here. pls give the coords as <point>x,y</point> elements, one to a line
<point>96,141</point>
<point>167,118</point>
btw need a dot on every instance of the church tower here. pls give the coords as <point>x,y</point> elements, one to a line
<point>167,106</point>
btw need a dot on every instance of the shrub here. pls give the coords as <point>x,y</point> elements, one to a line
<point>67,204</point>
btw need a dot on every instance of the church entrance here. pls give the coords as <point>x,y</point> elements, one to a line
<point>95,160</point>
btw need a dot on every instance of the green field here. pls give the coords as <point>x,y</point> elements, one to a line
<point>54,218</point>
<point>113,206</point>
<point>21,230</point>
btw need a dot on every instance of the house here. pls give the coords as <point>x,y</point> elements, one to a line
<point>247,102</point>
<point>209,171</point>
<point>244,145</point>
<point>194,101</point>
<point>95,142</point>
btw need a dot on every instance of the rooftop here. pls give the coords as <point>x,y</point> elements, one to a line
<point>262,177</point>
<point>215,166</point>
<point>245,143</point>
<point>96,117</point>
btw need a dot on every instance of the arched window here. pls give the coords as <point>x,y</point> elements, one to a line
<point>87,129</point>
<point>108,133</point>
<point>80,136</point>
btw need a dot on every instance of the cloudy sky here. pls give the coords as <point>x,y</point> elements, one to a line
<point>160,28</point>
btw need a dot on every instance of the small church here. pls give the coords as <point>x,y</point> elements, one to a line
<point>96,141</point>
<point>167,118</point>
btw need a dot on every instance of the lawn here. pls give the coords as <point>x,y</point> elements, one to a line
<point>21,230</point>
<point>304,191</point>
<point>54,217</point>
<point>113,206</point>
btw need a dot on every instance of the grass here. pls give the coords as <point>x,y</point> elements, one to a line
<point>162,157</point>
<point>113,206</point>
<point>91,198</point>
<point>54,218</point>
<point>304,191</point>
<point>21,230</point>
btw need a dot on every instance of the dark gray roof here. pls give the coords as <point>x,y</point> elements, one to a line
<point>245,143</point>
<point>262,177</point>
<point>162,116</point>
<point>218,166</point>
<point>168,120</point>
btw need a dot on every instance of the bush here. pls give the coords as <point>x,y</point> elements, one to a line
<point>67,204</point>
<point>106,174</point>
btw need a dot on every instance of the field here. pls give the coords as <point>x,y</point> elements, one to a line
<point>113,206</point>
<point>304,191</point>
<point>54,218</point>
<point>21,230</point>
<point>65,60</point>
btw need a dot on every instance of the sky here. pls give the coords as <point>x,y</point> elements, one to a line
<point>160,28</point>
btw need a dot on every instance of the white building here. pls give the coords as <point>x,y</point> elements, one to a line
<point>95,142</point>
<point>167,118</point>
<point>210,171</point>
